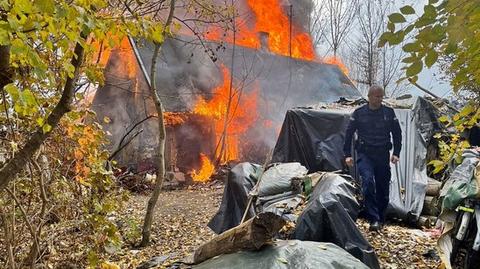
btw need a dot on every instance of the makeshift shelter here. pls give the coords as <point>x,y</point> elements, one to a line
<point>314,138</point>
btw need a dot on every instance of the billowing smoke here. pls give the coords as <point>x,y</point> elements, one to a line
<point>302,10</point>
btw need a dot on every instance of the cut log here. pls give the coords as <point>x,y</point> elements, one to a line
<point>426,221</point>
<point>430,206</point>
<point>433,187</point>
<point>250,235</point>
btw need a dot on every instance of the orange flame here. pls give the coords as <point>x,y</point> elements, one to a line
<point>245,37</point>
<point>242,114</point>
<point>102,52</point>
<point>336,61</point>
<point>205,171</point>
<point>174,118</point>
<point>270,19</point>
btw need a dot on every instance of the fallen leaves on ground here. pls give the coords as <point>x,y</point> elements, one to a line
<point>398,246</point>
<point>180,226</point>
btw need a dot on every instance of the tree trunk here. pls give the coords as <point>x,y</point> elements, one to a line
<point>5,70</point>
<point>250,235</point>
<point>223,138</point>
<point>17,163</point>
<point>152,202</point>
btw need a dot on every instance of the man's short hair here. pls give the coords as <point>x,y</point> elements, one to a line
<point>375,88</point>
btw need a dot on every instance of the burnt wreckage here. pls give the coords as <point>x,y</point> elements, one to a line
<point>185,73</point>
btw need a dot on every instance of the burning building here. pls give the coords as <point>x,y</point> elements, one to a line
<point>225,98</point>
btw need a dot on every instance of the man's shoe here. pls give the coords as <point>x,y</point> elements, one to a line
<point>374,226</point>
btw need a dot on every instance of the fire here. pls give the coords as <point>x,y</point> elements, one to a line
<point>245,37</point>
<point>102,52</point>
<point>336,61</point>
<point>242,114</point>
<point>270,19</point>
<point>205,171</point>
<point>174,118</point>
<point>126,50</point>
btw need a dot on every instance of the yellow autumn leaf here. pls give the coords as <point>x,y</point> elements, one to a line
<point>83,142</point>
<point>108,265</point>
<point>78,154</point>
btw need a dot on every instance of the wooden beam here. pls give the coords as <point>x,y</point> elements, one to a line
<point>250,235</point>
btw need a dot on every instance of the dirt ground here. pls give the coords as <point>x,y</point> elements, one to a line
<point>181,225</point>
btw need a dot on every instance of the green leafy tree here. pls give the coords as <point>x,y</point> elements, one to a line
<point>446,33</point>
<point>446,30</point>
<point>43,45</point>
<point>46,52</point>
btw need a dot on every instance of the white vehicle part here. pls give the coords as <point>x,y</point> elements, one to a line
<point>463,226</point>
<point>476,243</point>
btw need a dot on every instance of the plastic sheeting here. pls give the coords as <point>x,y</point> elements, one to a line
<point>275,187</point>
<point>240,181</point>
<point>418,124</point>
<point>290,254</point>
<point>462,183</point>
<point>315,139</point>
<point>330,217</point>
<point>278,178</point>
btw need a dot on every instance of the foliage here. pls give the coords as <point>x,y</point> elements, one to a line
<point>81,193</point>
<point>446,29</point>
<point>446,32</point>
<point>95,182</point>
<point>40,36</point>
<point>451,143</point>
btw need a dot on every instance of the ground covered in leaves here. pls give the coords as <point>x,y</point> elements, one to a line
<point>398,246</point>
<point>181,225</point>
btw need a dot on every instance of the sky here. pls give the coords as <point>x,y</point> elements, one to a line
<point>429,77</point>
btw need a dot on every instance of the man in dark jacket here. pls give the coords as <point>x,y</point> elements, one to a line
<point>374,123</point>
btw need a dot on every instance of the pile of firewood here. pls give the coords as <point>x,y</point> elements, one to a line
<point>431,205</point>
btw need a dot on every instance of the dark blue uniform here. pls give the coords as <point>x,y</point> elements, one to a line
<point>373,145</point>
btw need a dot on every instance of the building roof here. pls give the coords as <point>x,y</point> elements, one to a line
<point>186,71</point>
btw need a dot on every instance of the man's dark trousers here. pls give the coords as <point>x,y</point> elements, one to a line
<point>374,169</point>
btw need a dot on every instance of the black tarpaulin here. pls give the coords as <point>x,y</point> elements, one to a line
<point>313,138</point>
<point>330,217</point>
<point>241,180</point>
